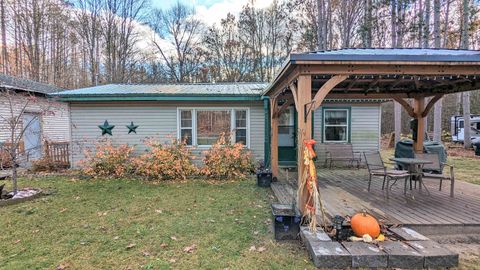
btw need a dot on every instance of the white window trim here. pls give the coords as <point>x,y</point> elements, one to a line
<point>347,125</point>
<point>194,122</point>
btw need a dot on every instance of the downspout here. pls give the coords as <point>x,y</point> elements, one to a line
<point>266,152</point>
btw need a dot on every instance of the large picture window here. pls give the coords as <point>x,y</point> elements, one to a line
<point>203,126</point>
<point>336,125</point>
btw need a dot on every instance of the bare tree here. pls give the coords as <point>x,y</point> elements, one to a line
<point>349,19</point>
<point>437,114</point>
<point>13,121</point>
<point>467,142</point>
<point>179,26</point>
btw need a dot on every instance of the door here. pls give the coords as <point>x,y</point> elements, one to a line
<point>287,150</point>
<point>32,137</point>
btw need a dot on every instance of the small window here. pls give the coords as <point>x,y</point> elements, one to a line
<point>186,126</point>
<point>286,128</point>
<point>241,126</point>
<point>335,125</point>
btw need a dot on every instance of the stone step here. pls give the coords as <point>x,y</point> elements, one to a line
<point>407,254</point>
<point>435,256</point>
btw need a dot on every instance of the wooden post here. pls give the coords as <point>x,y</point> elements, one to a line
<point>274,137</point>
<point>304,97</point>
<point>419,107</point>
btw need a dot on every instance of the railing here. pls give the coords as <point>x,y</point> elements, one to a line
<point>58,152</point>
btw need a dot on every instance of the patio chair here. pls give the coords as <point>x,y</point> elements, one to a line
<point>435,170</point>
<point>376,167</point>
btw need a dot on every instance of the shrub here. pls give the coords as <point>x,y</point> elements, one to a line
<point>107,160</point>
<point>226,160</point>
<point>165,161</point>
<point>46,164</point>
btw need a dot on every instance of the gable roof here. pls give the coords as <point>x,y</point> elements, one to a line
<point>169,91</point>
<point>20,84</point>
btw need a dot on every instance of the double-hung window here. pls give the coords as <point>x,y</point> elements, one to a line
<point>204,126</point>
<point>336,127</point>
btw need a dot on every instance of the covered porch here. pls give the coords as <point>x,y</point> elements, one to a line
<point>422,76</point>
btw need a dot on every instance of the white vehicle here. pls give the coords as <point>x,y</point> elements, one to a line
<point>458,128</point>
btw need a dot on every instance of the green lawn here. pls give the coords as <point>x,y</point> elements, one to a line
<point>121,224</point>
<point>466,168</point>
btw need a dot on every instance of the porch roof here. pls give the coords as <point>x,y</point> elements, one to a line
<point>379,73</point>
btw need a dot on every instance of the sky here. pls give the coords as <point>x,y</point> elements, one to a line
<point>212,11</point>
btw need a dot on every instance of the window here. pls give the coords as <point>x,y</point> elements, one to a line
<point>186,126</point>
<point>204,126</point>
<point>286,128</point>
<point>336,125</point>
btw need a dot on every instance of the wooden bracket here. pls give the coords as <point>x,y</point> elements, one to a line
<point>326,88</point>
<point>430,104</point>
<point>406,106</point>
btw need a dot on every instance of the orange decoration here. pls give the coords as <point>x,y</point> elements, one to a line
<point>363,223</point>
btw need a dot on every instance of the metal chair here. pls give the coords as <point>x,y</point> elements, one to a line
<point>376,167</point>
<point>435,170</point>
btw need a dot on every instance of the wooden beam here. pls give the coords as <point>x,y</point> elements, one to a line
<point>430,104</point>
<point>405,105</point>
<point>293,88</point>
<point>390,69</point>
<point>274,137</point>
<point>284,107</point>
<point>304,133</point>
<point>418,105</point>
<point>326,88</point>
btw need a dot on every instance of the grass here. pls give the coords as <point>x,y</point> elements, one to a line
<point>466,168</point>
<point>123,224</point>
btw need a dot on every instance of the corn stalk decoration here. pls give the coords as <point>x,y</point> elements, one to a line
<point>310,182</point>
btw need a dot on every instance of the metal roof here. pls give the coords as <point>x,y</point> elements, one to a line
<point>20,84</point>
<point>390,54</point>
<point>167,90</point>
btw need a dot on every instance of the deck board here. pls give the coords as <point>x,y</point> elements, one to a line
<point>344,192</point>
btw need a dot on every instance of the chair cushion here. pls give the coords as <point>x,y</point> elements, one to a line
<point>398,173</point>
<point>436,175</point>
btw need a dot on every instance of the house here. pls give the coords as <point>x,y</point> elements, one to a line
<point>201,112</point>
<point>43,119</point>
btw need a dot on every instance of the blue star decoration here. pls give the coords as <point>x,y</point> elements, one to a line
<point>132,128</point>
<point>106,128</point>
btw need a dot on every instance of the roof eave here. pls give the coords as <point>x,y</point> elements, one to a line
<point>129,97</point>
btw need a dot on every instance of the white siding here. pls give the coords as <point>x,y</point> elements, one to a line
<point>54,119</point>
<point>155,120</point>
<point>365,125</point>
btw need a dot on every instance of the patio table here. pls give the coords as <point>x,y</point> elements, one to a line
<point>415,166</point>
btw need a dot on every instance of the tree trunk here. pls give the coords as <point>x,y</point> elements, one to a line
<point>426,30</point>
<point>437,113</point>
<point>466,95</point>
<point>398,120</point>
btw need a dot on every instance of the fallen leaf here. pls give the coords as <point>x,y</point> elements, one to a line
<point>131,246</point>
<point>261,249</point>
<point>18,241</point>
<point>255,233</point>
<point>77,198</point>
<point>159,211</point>
<point>115,238</point>
<point>62,210</point>
<point>172,260</point>
<point>173,238</point>
<point>62,266</point>
<point>252,248</point>
<point>145,253</point>
<point>164,245</point>
<point>190,249</point>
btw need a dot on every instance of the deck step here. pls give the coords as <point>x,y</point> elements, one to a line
<point>413,254</point>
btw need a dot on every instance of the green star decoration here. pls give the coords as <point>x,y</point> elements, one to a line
<point>106,128</point>
<point>132,128</point>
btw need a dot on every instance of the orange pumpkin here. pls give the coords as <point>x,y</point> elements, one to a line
<point>363,223</point>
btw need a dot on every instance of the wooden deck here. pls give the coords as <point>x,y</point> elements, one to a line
<point>344,192</point>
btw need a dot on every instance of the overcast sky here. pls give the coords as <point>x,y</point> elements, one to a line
<point>211,11</point>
